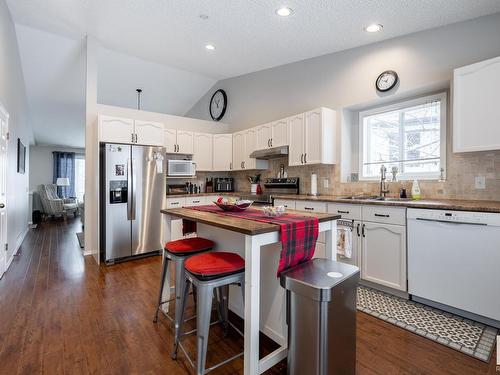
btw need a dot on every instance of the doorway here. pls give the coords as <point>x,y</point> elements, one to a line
<point>4,128</point>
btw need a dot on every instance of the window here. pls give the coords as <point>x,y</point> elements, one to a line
<point>79,177</point>
<point>410,136</point>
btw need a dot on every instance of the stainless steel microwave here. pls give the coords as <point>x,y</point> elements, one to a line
<point>181,168</point>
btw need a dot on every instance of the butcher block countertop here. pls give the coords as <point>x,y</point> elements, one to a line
<point>235,224</point>
<point>438,204</point>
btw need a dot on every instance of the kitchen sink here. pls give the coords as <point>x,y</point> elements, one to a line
<point>376,198</point>
<point>389,199</point>
<point>360,197</point>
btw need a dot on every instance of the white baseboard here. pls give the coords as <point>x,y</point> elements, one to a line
<point>19,242</point>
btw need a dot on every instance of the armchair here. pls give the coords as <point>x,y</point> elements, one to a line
<point>55,206</point>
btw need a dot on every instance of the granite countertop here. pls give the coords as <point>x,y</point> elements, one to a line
<point>441,204</point>
<point>234,193</point>
<point>236,224</point>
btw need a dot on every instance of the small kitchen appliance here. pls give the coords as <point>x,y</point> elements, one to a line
<point>223,184</point>
<point>181,168</point>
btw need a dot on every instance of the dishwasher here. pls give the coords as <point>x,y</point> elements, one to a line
<point>454,262</point>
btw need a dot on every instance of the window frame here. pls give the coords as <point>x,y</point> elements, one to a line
<point>442,97</point>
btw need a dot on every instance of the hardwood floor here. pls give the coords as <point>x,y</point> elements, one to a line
<point>62,314</point>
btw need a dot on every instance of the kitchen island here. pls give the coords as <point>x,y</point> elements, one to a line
<point>259,244</point>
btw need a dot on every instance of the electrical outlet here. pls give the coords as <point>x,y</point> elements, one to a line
<point>325,183</point>
<point>480,182</point>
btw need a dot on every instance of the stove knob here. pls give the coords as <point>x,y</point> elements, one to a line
<point>288,180</point>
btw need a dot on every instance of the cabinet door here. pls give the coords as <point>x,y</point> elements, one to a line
<point>264,135</point>
<point>280,133</point>
<point>170,140</point>
<point>149,133</point>
<point>476,124</point>
<point>185,142</point>
<point>313,137</point>
<point>238,151</point>
<point>116,129</point>
<point>250,146</point>
<point>223,152</point>
<point>296,140</point>
<point>203,151</point>
<point>383,259</point>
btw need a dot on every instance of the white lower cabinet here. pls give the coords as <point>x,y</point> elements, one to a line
<point>383,254</point>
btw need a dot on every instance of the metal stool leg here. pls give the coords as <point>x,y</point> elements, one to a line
<point>178,327</point>
<point>205,293</point>
<point>162,283</point>
<point>224,306</point>
<point>180,288</point>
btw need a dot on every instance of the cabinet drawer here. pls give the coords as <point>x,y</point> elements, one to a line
<point>381,214</point>
<point>196,201</point>
<point>176,202</point>
<point>348,211</point>
<point>289,204</point>
<point>310,206</point>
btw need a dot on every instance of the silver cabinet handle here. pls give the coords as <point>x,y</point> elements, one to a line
<point>357,229</point>
<point>302,158</point>
<point>309,208</point>
<point>363,231</point>
<point>342,212</point>
<point>231,165</point>
<point>271,142</point>
<point>132,138</point>
<point>196,201</point>
<point>305,160</point>
<point>380,215</point>
<point>244,165</point>
<point>174,203</point>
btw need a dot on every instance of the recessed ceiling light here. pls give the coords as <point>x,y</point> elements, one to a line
<point>210,47</point>
<point>203,17</point>
<point>374,28</point>
<point>284,11</point>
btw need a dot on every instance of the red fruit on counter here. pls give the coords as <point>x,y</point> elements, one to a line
<point>219,200</point>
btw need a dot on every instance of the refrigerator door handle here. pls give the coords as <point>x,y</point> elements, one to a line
<point>129,189</point>
<point>134,180</point>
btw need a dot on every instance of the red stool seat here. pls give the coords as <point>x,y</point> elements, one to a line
<point>215,264</point>
<point>189,245</point>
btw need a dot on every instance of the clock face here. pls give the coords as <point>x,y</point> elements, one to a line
<point>387,80</point>
<point>218,105</point>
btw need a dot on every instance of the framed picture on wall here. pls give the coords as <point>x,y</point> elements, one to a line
<point>21,157</point>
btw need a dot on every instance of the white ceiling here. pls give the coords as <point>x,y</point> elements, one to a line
<point>248,34</point>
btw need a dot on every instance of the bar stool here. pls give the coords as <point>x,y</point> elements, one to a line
<point>178,251</point>
<point>209,272</point>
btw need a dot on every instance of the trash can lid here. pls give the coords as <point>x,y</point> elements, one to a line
<point>316,278</point>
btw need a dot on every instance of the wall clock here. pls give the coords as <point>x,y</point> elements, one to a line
<point>386,80</point>
<point>218,104</point>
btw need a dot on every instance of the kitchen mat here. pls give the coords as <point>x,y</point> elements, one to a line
<point>469,337</point>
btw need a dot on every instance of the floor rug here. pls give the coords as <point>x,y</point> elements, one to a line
<point>469,337</point>
<point>81,239</point>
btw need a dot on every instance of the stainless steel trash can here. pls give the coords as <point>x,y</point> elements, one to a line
<point>321,317</point>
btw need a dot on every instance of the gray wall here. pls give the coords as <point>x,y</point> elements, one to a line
<point>424,62</point>
<point>41,163</point>
<point>13,99</point>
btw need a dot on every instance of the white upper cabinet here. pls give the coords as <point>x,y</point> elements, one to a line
<point>185,142</point>
<point>312,138</point>
<point>264,135</point>
<point>222,152</point>
<point>296,140</point>
<point>238,151</point>
<point>149,133</point>
<point>203,151</point>
<point>476,124</point>
<point>170,140</point>
<point>116,129</point>
<point>178,141</point>
<point>279,133</point>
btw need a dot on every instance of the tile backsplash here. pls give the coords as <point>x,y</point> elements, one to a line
<point>460,182</point>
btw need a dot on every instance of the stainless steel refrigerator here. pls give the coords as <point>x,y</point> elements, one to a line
<point>132,185</point>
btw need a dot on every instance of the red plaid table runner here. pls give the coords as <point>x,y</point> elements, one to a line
<point>298,233</point>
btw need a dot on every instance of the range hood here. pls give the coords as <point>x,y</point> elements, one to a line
<point>270,153</point>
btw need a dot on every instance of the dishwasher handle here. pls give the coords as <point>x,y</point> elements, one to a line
<point>450,222</point>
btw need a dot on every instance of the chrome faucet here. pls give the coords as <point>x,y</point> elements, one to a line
<point>383,183</point>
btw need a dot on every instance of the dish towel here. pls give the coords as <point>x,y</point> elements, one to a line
<point>298,233</point>
<point>344,242</point>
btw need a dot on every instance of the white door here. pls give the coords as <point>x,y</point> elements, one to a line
<point>4,118</point>
<point>296,140</point>
<point>250,146</point>
<point>238,151</point>
<point>280,133</point>
<point>116,129</point>
<point>185,142</point>
<point>203,151</point>
<point>313,138</point>
<point>170,140</point>
<point>223,152</point>
<point>149,133</point>
<point>264,135</point>
<point>383,259</point>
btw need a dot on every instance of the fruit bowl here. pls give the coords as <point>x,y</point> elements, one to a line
<point>237,206</point>
<point>273,211</point>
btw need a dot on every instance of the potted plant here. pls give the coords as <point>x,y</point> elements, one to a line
<point>254,183</point>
